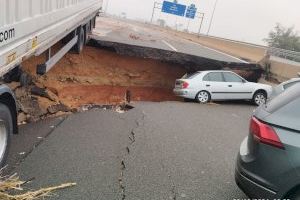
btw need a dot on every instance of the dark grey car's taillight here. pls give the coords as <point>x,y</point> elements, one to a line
<point>264,133</point>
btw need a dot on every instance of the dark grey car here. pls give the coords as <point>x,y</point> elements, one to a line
<point>268,164</point>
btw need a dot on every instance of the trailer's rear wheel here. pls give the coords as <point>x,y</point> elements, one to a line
<point>13,75</point>
<point>25,79</point>
<point>6,128</point>
<point>81,40</point>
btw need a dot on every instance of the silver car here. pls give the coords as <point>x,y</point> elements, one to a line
<point>204,86</point>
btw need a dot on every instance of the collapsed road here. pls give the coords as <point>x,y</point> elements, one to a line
<point>137,39</point>
<point>124,62</point>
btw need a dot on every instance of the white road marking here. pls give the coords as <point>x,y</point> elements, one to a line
<point>169,45</point>
<point>219,52</point>
<point>101,32</point>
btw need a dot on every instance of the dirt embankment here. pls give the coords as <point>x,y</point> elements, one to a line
<point>103,77</point>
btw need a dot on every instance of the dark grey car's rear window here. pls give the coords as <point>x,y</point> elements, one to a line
<point>291,94</point>
<point>285,109</point>
<point>286,86</point>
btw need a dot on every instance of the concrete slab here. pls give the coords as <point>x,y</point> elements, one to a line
<point>142,35</point>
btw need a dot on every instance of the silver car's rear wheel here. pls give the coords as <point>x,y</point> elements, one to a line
<point>203,97</point>
<point>260,98</point>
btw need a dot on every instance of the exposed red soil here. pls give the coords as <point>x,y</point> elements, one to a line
<point>103,77</point>
<point>76,95</point>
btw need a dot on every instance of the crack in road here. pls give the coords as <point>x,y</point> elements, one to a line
<point>174,194</point>
<point>121,182</point>
<point>132,138</point>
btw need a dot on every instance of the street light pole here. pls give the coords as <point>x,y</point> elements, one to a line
<point>155,6</point>
<point>153,12</point>
<point>212,17</point>
<point>201,22</point>
<point>106,6</point>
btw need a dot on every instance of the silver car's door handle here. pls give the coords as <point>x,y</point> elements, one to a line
<point>207,85</point>
<point>229,85</point>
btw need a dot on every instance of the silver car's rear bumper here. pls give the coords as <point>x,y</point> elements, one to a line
<point>185,93</point>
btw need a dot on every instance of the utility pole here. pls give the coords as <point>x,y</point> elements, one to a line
<point>153,12</point>
<point>106,6</point>
<point>201,22</point>
<point>155,6</point>
<point>212,17</point>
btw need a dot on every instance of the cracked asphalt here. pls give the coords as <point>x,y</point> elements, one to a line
<point>169,150</point>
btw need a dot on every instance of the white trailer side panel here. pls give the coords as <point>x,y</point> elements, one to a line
<point>28,25</point>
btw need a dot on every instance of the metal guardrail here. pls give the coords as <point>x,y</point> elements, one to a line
<point>282,53</point>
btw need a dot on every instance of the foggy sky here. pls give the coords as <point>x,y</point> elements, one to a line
<point>244,20</point>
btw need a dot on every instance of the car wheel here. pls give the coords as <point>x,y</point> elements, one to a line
<point>6,127</point>
<point>203,97</point>
<point>259,98</point>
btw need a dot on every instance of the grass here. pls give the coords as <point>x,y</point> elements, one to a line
<point>11,188</point>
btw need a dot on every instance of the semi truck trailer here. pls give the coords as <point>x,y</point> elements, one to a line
<point>31,28</point>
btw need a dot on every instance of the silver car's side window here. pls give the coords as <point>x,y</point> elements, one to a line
<point>206,78</point>
<point>214,77</point>
<point>230,77</point>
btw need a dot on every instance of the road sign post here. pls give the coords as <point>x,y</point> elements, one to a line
<point>190,14</point>
<point>188,25</point>
<point>201,17</point>
<point>156,6</point>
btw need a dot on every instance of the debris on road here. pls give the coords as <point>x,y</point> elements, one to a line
<point>37,103</point>
<point>134,37</point>
<point>10,187</point>
<point>119,110</point>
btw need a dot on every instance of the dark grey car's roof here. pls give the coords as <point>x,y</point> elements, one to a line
<point>284,110</point>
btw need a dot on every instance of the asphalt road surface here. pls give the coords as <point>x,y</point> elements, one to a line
<point>169,150</point>
<point>132,33</point>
